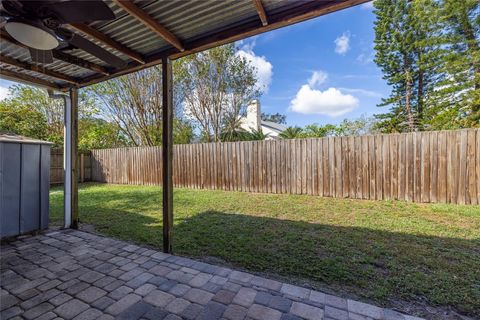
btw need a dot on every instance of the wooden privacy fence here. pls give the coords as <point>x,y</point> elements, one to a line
<point>56,166</point>
<point>441,166</point>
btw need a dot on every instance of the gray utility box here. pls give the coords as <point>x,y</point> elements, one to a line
<point>24,184</point>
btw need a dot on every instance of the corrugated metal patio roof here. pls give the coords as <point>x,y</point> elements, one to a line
<point>195,25</point>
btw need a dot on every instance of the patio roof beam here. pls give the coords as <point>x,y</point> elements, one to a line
<point>167,153</point>
<point>59,55</point>
<point>16,76</point>
<point>26,66</point>
<point>149,22</point>
<point>261,11</point>
<point>71,59</point>
<point>102,38</point>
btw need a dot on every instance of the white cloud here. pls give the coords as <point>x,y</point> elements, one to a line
<point>342,43</point>
<point>362,76</point>
<point>367,5</point>
<point>248,44</point>
<point>4,93</point>
<point>260,63</point>
<point>331,102</point>
<point>317,78</point>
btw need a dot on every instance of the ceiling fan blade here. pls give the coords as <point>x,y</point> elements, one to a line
<point>93,49</point>
<point>11,7</point>
<point>76,11</point>
<point>41,56</point>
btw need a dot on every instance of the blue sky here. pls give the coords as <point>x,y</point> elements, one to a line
<point>338,48</point>
<point>319,71</point>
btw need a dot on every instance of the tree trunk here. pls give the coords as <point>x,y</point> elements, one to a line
<point>408,96</point>
<point>420,98</point>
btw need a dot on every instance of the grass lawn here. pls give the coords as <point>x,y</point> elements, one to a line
<point>392,253</point>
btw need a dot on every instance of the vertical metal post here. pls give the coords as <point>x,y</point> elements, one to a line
<point>167,152</point>
<point>70,160</point>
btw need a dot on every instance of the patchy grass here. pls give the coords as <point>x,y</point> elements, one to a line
<point>383,251</point>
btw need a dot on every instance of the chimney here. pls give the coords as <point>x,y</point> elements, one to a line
<point>254,115</point>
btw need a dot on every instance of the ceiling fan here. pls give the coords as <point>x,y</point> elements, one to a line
<point>38,25</point>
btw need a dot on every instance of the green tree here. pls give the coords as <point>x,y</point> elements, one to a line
<point>95,133</point>
<point>17,118</point>
<point>357,127</point>
<point>215,87</point>
<point>317,131</point>
<point>183,131</point>
<point>456,100</point>
<point>134,103</point>
<point>274,117</point>
<point>232,130</point>
<point>291,133</point>
<point>256,135</point>
<point>40,113</point>
<point>406,54</point>
<point>430,55</point>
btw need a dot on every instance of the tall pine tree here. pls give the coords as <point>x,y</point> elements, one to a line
<point>430,55</point>
<point>455,102</point>
<point>404,46</point>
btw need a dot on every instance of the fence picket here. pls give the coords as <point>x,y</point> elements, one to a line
<point>441,166</point>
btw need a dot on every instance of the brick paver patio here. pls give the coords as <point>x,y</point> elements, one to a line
<point>77,275</point>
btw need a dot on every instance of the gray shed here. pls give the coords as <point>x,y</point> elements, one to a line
<point>24,184</point>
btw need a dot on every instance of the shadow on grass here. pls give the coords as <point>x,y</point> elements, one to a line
<point>383,266</point>
<point>370,263</point>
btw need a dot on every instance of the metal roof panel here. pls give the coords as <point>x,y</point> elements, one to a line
<point>196,23</point>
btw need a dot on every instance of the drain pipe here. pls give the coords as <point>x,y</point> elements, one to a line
<point>67,156</point>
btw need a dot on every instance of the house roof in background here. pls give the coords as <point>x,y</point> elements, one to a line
<point>273,125</point>
<point>144,31</point>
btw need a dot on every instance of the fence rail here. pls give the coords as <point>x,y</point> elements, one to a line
<point>440,166</point>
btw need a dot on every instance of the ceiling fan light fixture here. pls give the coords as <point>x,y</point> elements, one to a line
<point>31,35</point>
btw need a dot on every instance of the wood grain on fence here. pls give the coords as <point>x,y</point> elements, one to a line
<point>56,166</point>
<point>441,166</point>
